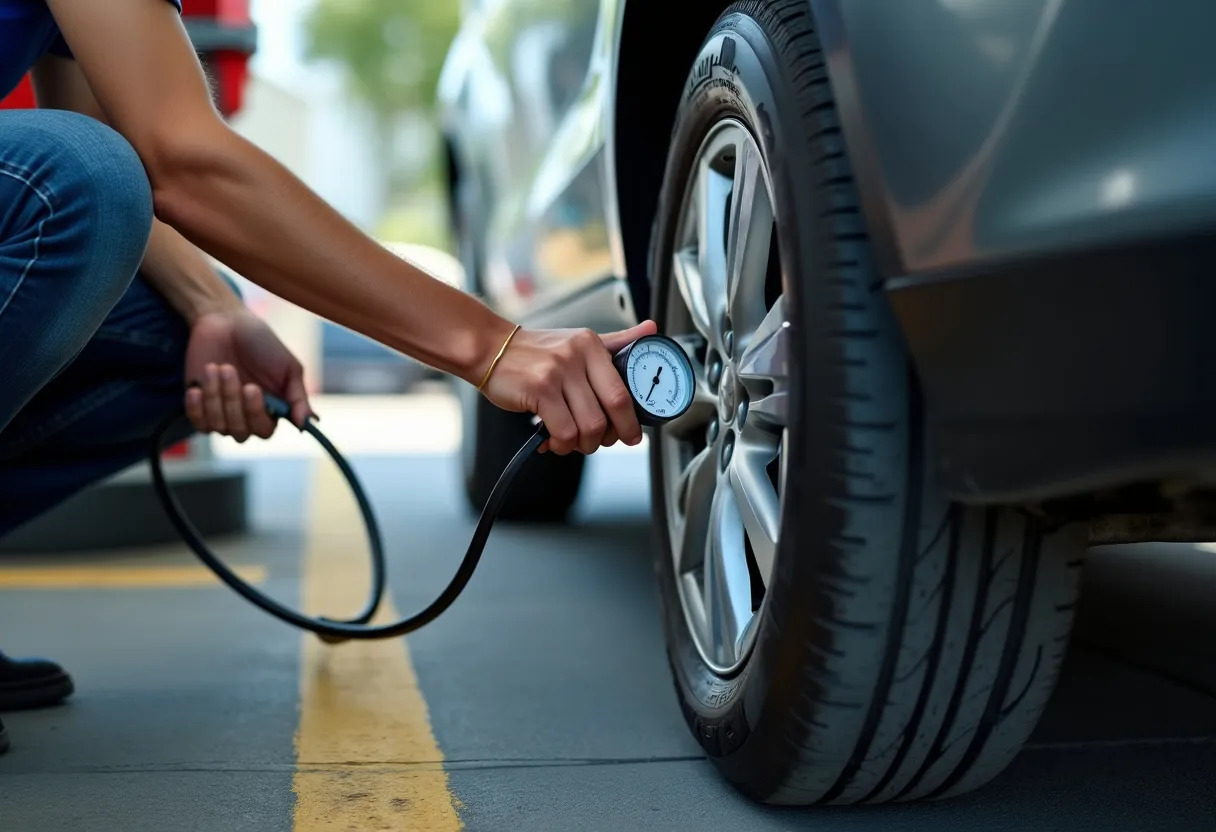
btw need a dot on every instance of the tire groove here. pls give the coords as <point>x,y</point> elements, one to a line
<point>898,622</point>
<point>995,612</point>
<point>1014,640</point>
<point>953,521</point>
<point>1034,672</point>
<point>948,520</point>
<point>939,746</point>
<point>878,500</point>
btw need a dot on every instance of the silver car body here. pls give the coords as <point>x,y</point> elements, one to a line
<point>978,130</point>
<point>528,93</point>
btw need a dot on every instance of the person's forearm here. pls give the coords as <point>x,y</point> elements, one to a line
<point>245,209</point>
<point>237,204</point>
<point>182,274</point>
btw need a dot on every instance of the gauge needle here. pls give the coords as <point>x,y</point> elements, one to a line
<point>656,381</point>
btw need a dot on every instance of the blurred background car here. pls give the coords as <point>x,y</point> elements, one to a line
<point>354,364</point>
<point>945,284</point>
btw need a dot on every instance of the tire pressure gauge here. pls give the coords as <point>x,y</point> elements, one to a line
<point>659,376</point>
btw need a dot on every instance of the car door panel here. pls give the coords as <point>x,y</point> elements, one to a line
<point>535,129</point>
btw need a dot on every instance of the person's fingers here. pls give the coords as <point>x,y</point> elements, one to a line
<point>613,396</point>
<point>212,402</point>
<point>194,408</point>
<point>234,409</point>
<point>297,396</point>
<point>610,438</point>
<point>261,424</point>
<point>616,341</point>
<point>588,415</point>
<point>563,432</point>
<point>544,385</point>
<point>567,378</point>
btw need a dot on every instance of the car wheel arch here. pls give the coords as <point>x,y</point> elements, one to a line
<point>652,66</point>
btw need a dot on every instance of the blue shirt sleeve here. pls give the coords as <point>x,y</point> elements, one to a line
<point>60,47</point>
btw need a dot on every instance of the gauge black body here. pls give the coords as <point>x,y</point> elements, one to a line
<point>659,376</point>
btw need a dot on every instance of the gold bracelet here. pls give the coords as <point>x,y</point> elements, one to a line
<point>494,363</point>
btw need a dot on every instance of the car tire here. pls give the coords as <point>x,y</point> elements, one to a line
<point>545,488</point>
<point>901,646</point>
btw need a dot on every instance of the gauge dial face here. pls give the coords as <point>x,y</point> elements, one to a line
<point>659,376</point>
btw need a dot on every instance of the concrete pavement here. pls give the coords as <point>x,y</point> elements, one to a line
<point>541,701</point>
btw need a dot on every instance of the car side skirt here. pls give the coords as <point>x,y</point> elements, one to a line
<point>1046,378</point>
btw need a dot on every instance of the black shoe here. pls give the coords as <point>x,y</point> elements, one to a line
<point>31,683</point>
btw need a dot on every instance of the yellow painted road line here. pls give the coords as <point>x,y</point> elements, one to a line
<point>366,758</point>
<point>120,577</point>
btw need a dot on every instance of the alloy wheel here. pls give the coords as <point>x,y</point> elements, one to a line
<point>724,460</point>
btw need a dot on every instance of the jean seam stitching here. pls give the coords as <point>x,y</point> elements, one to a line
<point>68,416</point>
<point>24,177</point>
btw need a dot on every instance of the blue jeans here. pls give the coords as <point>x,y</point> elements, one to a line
<point>91,357</point>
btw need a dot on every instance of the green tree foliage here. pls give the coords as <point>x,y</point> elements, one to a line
<point>392,51</point>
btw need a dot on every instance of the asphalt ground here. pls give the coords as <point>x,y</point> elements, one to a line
<point>540,701</point>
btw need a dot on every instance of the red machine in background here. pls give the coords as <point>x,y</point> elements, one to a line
<point>224,37</point>
<point>21,98</point>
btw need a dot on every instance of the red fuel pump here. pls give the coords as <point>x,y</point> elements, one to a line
<point>224,37</point>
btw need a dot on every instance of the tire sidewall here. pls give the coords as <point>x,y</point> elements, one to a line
<point>738,74</point>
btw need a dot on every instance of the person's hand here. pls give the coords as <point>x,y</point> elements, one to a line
<point>233,357</point>
<point>566,377</point>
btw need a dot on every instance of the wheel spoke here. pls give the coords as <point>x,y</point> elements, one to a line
<point>767,355</point>
<point>772,410</point>
<point>727,583</point>
<point>695,493</point>
<point>759,506</point>
<point>711,224</point>
<point>749,235</point>
<point>764,369</point>
<point>687,273</point>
